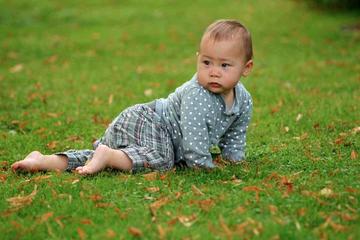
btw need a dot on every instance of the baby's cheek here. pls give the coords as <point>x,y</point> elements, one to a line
<point>201,80</point>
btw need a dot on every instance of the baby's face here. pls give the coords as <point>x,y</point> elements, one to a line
<point>220,65</point>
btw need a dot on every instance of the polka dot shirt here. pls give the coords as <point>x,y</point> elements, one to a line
<point>198,119</point>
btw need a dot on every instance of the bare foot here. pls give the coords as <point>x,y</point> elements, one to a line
<point>98,162</point>
<point>31,163</point>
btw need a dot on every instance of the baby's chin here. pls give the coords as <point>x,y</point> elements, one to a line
<point>214,91</point>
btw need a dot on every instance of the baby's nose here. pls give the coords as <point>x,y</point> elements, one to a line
<point>215,72</point>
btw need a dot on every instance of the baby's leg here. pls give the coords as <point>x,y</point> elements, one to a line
<point>106,157</point>
<point>36,161</point>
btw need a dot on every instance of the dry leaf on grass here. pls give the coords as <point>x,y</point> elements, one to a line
<point>148,92</point>
<point>196,191</point>
<point>273,209</point>
<point>17,68</point>
<point>96,197</point>
<point>86,221</point>
<point>152,189</point>
<point>253,189</point>
<point>158,204</point>
<point>22,201</point>
<point>151,176</point>
<point>326,192</point>
<point>299,117</point>
<point>187,221</point>
<point>111,98</point>
<point>135,231</point>
<point>110,233</point>
<point>353,155</point>
<point>161,231</point>
<point>3,177</point>
<point>225,228</point>
<point>46,216</point>
<point>205,204</point>
<point>52,145</point>
<point>81,233</point>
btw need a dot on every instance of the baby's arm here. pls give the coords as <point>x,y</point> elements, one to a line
<point>234,141</point>
<point>195,141</point>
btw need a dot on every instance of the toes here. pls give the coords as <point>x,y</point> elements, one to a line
<point>14,167</point>
<point>82,170</point>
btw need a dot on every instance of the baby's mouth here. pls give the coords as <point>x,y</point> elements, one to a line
<point>214,85</point>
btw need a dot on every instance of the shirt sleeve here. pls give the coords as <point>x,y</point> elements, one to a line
<point>195,107</point>
<point>234,140</point>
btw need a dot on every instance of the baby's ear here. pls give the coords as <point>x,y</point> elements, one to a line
<point>248,67</point>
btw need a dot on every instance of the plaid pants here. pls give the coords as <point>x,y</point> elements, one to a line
<point>139,133</point>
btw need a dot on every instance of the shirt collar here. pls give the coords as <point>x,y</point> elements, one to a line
<point>235,109</point>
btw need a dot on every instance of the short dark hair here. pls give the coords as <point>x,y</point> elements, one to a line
<point>226,29</point>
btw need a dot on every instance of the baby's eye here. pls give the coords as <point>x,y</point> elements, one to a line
<point>225,65</point>
<point>206,62</point>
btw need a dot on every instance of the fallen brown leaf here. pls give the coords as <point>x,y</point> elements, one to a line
<point>302,137</point>
<point>40,178</point>
<point>273,209</point>
<point>104,205</point>
<point>151,176</point>
<point>153,189</point>
<point>59,222</point>
<point>135,231</point>
<point>355,130</point>
<point>73,138</point>
<point>253,189</point>
<point>86,221</point>
<point>353,155</point>
<point>3,177</point>
<point>205,204</point>
<point>178,195</point>
<point>225,227</point>
<point>110,233</point>
<point>148,92</point>
<point>240,209</point>
<point>289,186</point>
<point>299,117</point>
<point>158,204</point>
<point>22,201</point>
<point>301,212</point>
<point>187,221</point>
<point>81,233</point>
<point>96,197</point>
<point>45,217</point>
<point>326,192</point>
<point>52,145</point>
<point>111,98</point>
<point>196,191</point>
<point>17,68</point>
<point>161,231</point>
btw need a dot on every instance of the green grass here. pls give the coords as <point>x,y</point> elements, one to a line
<point>299,182</point>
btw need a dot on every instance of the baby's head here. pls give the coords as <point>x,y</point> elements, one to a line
<point>225,54</point>
<point>230,30</point>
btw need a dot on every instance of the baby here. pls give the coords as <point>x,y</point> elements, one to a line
<point>213,109</point>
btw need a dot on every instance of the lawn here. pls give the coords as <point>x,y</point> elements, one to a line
<point>67,68</point>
